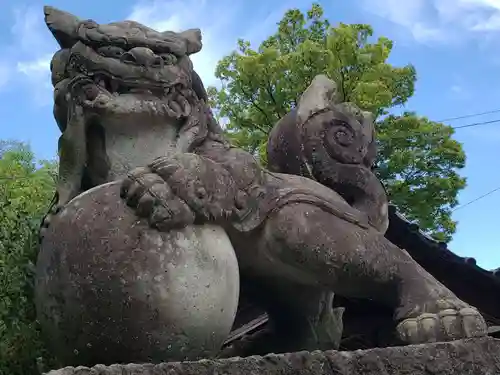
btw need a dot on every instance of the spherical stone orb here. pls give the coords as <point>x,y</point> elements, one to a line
<point>110,289</point>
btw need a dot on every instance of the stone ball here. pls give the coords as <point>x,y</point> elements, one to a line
<point>110,289</point>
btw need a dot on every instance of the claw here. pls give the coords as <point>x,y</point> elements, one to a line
<point>429,328</point>
<point>451,325</point>
<point>473,323</point>
<point>160,216</point>
<point>176,215</point>
<point>145,205</point>
<point>152,198</point>
<point>159,160</point>
<point>445,325</point>
<point>161,191</point>
<point>132,178</point>
<point>135,193</point>
<point>137,185</point>
<point>164,167</point>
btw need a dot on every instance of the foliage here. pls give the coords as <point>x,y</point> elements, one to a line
<point>26,188</point>
<point>260,86</point>
<point>418,161</point>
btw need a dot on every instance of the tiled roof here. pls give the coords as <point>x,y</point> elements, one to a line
<point>462,275</point>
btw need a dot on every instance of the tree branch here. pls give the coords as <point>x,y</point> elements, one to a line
<point>258,108</point>
<point>270,92</point>
<point>341,72</point>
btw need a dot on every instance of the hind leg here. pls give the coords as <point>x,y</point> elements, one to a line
<point>306,320</point>
<point>300,318</point>
<point>306,245</point>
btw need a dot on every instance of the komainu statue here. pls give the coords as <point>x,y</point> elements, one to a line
<point>157,217</point>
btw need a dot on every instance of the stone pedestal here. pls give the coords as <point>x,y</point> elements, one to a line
<point>463,357</point>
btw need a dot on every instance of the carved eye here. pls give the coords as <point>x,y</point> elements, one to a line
<point>169,59</point>
<point>111,51</point>
<point>340,133</point>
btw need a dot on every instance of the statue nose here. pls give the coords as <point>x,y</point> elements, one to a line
<point>142,56</point>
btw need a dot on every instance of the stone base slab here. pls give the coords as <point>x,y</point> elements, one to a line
<point>462,357</point>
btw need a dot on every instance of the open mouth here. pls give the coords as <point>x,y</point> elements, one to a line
<point>104,83</point>
<point>112,75</point>
<point>103,92</point>
<point>107,84</point>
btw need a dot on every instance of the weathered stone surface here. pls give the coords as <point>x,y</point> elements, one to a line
<point>132,109</point>
<point>471,357</point>
<point>110,289</point>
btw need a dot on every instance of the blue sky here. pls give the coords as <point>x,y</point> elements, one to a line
<point>454,45</point>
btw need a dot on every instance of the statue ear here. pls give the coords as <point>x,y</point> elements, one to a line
<point>368,124</point>
<point>62,25</point>
<point>368,116</point>
<point>369,131</point>
<point>321,94</point>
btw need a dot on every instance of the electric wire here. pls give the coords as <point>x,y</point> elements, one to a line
<point>476,199</point>
<point>480,123</point>
<point>470,115</point>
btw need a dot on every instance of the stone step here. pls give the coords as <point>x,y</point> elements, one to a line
<point>471,356</point>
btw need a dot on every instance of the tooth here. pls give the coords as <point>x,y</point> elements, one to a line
<point>169,111</point>
<point>187,109</point>
<point>161,109</point>
<point>176,108</point>
<point>158,108</point>
<point>184,104</point>
<point>151,106</point>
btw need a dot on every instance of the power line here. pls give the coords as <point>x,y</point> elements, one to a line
<point>469,115</point>
<point>407,134</point>
<point>404,134</point>
<point>476,199</point>
<point>476,124</point>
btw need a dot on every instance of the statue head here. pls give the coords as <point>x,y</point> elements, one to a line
<point>321,131</point>
<point>331,142</point>
<point>122,68</point>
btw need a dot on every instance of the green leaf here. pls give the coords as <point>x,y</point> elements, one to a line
<point>26,189</point>
<point>419,160</point>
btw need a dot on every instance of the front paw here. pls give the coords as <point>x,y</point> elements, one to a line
<point>153,199</point>
<point>444,320</point>
<point>205,186</point>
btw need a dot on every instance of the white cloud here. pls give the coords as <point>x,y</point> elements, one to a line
<point>30,31</point>
<point>406,14</point>
<point>220,22</point>
<point>35,67</point>
<point>37,75</point>
<point>179,15</point>
<point>431,21</point>
<point>30,54</point>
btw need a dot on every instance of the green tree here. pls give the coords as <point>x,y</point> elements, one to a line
<point>261,85</point>
<point>26,188</point>
<point>418,161</point>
